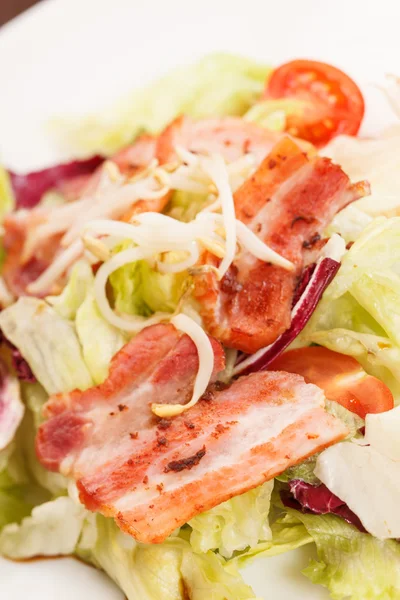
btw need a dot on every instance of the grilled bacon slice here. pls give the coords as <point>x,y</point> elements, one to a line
<point>153,475</point>
<point>288,203</point>
<point>232,137</point>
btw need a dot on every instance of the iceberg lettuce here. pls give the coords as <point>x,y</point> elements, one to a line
<point>171,570</point>
<point>358,314</point>
<point>219,84</point>
<point>49,344</point>
<point>7,200</point>
<point>234,525</point>
<point>99,340</point>
<point>52,529</point>
<point>351,564</point>
<point>79,283</point>
<point>140,290</point>
<point>287,533</point>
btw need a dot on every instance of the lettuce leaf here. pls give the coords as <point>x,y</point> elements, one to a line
<point>272,114</point>
<point>7,199</point>
<point>171,570</point>
<point>49,344</point>
<point>140,290</point>
<point>184,206</point>
<point>74,293</point>
<point>351,564</point>
<point>99,340</point>
<point>234,525</point>
<point>219,84</point>
<point>287,533</point>
<point>52,529</point>
<point>358,314</point>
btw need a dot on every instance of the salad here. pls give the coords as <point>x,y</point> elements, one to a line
<point>200,348</point>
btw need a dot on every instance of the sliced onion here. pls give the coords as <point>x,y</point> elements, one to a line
<point>249,240</point>
<point>204,373</point>
<point>323,274</point>
<point>216,169</point>
<point>113,205</point>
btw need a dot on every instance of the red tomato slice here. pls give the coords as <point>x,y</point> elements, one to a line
<point>341,377</point>
<point>333,103</point>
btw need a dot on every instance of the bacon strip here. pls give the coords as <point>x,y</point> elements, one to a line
<point>154,475</point>
<point>232,137</point>
<point>288,203</point>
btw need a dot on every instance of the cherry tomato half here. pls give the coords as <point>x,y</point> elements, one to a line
<point>333,103</point>
<point>341,377</point>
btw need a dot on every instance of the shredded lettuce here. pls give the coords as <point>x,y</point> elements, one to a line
<point>351,564</point>
<point>219,84</point>
<point>234,525</point>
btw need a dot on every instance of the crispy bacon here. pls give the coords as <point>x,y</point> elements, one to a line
<point>154,475</point>
<point>288,202</point>
<point>232,137</point>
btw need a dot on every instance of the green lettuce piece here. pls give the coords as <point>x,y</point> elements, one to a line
<point>234,525</point>
<point>52,529</point>
<point>74,293</point>
<point>99,340</point>
<point>351,564</point>
<point>161,292</point>
<point>304,471</point>
<point>171,570</point>
<point>352,421</point>
<point>272,114</point>
<point>16,497</point>
<point>376,250</point>
<point>184,206</point>
<point>13,506</point>
<point>378,293</point>
<point>358,314</point>
<point>219,84</point>
<point>140,290</point>
<point>7,200</point>
<point>48,342</point>
<point>52,484</point>
<point>287,533</point>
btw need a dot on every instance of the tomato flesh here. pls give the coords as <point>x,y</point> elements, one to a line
<point>333,103</point>
<point>341,377</point>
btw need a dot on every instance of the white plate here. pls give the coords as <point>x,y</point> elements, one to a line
<point>71,56</point>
